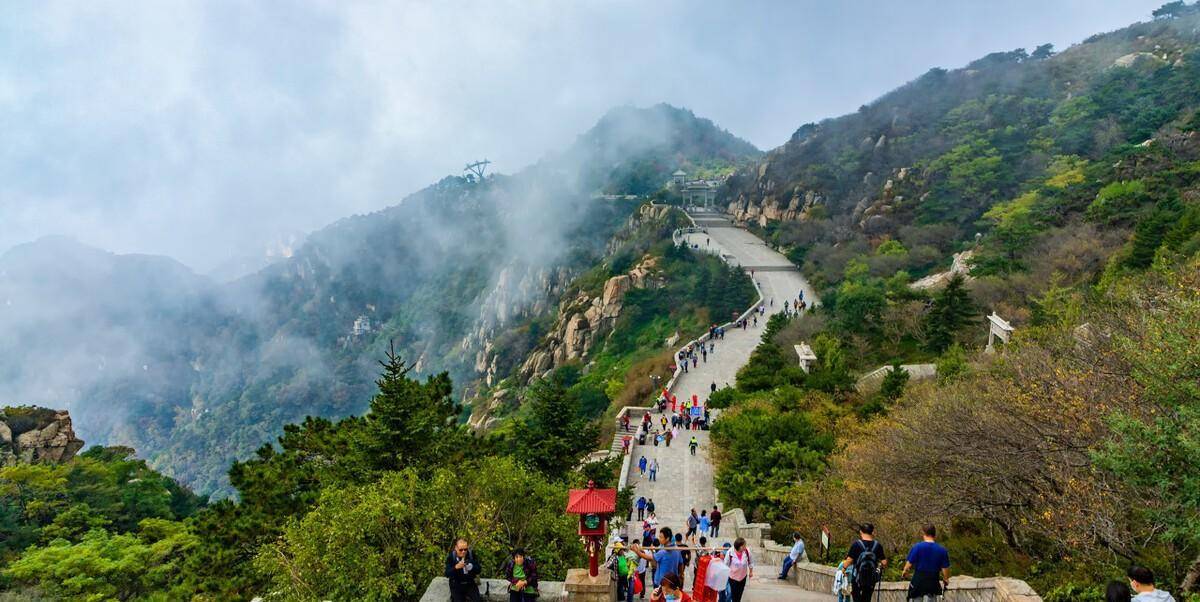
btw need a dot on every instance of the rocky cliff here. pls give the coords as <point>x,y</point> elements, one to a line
<point>33,434</point>
<point>585,319</point>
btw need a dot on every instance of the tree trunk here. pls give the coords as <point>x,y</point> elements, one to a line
<point>1191,578</point>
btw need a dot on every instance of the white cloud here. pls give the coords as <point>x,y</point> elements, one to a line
<point>206,129</point>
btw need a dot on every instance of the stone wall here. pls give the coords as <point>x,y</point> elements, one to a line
<point>492,590</point>
<point>819,578</point>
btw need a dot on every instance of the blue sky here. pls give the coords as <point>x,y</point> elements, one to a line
<point>208,130</point>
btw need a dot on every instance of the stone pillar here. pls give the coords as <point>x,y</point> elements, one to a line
<point>582,587</point>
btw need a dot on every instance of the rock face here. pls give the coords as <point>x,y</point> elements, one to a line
<point>585,320</point>
<point>36,435</point>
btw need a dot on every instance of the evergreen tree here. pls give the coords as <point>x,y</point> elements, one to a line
<point>952,311</point>
<point>410,423</point>
<point>554,437</point>
<point>893,383</point>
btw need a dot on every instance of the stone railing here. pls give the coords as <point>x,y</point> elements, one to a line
<point>815,577</point>
<point>819,578</point>
<point>493,590</point>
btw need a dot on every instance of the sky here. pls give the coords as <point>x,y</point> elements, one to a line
<point>215,130</point>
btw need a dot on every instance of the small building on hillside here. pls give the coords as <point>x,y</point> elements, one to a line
<point>362,325</point>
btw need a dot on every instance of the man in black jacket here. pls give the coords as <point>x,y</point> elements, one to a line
<point>461,571</point>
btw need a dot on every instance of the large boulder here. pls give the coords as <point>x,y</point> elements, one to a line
<point>32,434</point>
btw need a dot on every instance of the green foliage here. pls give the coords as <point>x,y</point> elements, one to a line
<point>894,381</point>
<point>723,398</point>
<point>769,367</point>
<point>892,248</point>
<point>103,487</point>
<point>763,453</point>
<point>386,540</point>
<point>555,436</point>
<point>1119,201</point>
<point>104,566</point>
<point>952,364</point>
<point>951,312</point>
<point>1155,450</point>
<point>410,423</point>
<point>831,372</point>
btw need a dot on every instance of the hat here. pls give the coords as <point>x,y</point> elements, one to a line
<point>617,545</point>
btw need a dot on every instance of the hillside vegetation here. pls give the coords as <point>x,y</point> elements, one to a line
<point>1070,184</point>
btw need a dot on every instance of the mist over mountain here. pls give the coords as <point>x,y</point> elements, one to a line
<point>193,372</point>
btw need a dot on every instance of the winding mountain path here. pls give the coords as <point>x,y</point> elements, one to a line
<point>686,481</point>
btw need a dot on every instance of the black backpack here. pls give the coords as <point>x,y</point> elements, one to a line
<point>866,566</point>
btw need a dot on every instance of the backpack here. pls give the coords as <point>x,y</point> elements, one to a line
<point>866,566</point>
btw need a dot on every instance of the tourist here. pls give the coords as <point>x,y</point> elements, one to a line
<point>654,469</point>
<point>868,559</point>
<point>658,438</point>
<point>685,557</point>
<point>670,435</point>
<point>650,505</point>
<point>621,566</point>
<point>641,501</point>
<point>642,466</point>
<point>712,388</point>
<point>700,590</point>
<point>705,525</point>
<point>716,577</point>
<point>693,444</point>
<point>625,421</point>
<point>794,555</point>
<point>643,566</point>
<point>715,519</point>
<point>929,564</point>
<point>693,522</point>
<point>1141,581</point>
<point>521,572</point>
<point>461,570</point>
<point>666,561</point>
<point>1118,591</point>
<point>741,569</point>
<point>670,590</point>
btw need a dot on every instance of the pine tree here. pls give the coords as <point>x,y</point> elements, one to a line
<point>952,311</point>
<point>555,437</point>
<point>410,423</point>
<point>893,383</point>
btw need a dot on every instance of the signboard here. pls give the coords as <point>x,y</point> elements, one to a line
<point>697,412</point>
<point>824,539</point>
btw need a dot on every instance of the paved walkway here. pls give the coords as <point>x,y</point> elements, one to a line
<point>686,481</point>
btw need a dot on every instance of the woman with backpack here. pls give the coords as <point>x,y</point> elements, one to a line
<point>741,568</point>
<point>868,559</point>
<point>521,572</point>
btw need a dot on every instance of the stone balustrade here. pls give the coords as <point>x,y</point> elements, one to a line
<point>493,590</point>
<point>819,578</point>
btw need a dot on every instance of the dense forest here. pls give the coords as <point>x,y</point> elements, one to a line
<point>1068,185</point>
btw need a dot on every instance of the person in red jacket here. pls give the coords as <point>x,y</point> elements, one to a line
<point>701,592</point>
